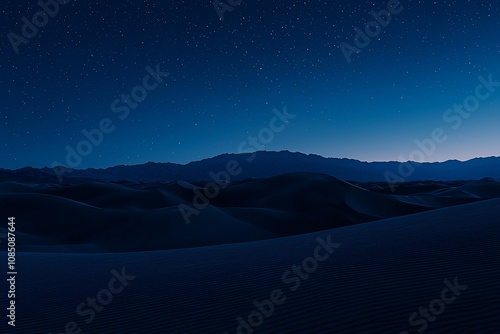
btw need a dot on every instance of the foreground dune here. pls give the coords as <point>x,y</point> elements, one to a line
<point>377,275</point>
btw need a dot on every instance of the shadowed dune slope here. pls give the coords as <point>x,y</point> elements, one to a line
<point>116,217</point>
<point>99,216</point>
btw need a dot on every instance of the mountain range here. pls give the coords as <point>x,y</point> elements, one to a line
<point>263,164</point>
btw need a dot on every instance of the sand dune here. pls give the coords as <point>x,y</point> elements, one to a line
<point>117,217</point>
<point>381,273</point>
<point>387,256</point>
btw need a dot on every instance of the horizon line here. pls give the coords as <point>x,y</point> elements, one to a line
<point>256,152</point>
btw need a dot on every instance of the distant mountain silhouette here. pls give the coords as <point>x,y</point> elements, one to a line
<point>267,164</point>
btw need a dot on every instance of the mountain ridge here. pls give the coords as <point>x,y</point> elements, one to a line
<point>271,163</point>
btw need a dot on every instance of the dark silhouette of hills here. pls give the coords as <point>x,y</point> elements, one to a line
<point>264,164</point>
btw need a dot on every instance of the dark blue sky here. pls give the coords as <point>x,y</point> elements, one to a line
<point>226,77</point>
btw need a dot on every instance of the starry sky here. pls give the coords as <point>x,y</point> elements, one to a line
<point>226,76</point>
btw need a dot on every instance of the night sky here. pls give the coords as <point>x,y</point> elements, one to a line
<point>226,77</point>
